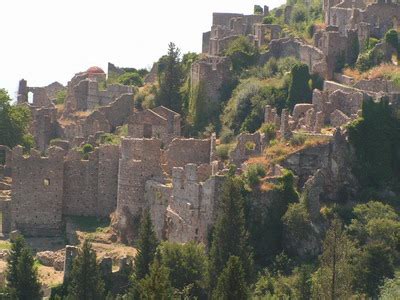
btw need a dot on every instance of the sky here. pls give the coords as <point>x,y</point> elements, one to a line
<point>44,41</point>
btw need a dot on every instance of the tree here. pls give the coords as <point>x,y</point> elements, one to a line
<point>299,89</point>
<point>28,283</point>
<point>376,139</point>
<point>230,237</point>
<point>21,274</point>
<point>391,288</point>
<point>86,282</point>
<point>146,248</point>
<point>392,38</point>
<point>14,121</point>
<point>232,283</point>
<point>170,80</point>
<point>187,264</point>
<point>156,284</point>
<point>242,53</point>
<point>374,265</point>
<point>333,279</point>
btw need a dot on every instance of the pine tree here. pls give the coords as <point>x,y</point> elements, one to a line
<point>146,247</point>
<point>170,80</point>
<point>28,282</point>
<point>86,282</point>
<point>156,285</point>
<point>333,280</point>
<point>299,90</point>
<point>230,237</point>
<point>231,283</point>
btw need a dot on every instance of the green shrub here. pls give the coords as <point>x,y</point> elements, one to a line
<point>299,14</point>
<point>250,146</point>
<point>60,96</point>
<point>269,130</point>
<point>130,78</point>
<point>223,151</point>
<point>227,135</point>
<point>258,10</point>
<point>253,175</point>
<point>269,20</point>
<point>86,149</point>
<point>392,38</point>
<point>298,139</point>
<point>242,53</point>
<point>310,30</point>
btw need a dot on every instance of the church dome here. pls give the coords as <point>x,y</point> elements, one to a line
<point>95,70</point>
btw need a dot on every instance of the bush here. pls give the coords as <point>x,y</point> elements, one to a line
<point>253,174</point>
<point>60,97</point>
<point>242,53</point>
<point>310,30</point>
<point>130,78</point>
<point>86,149</point>
<point>269,20</point>
<point>258,10</point>
<point>226,136</point>
<point>298,139</point>
<point>299,14</point>
<point>250,146</point>
<point>392,38</point>
<point>299,90</point>
<point>223,151</point>
<point>269,130</point>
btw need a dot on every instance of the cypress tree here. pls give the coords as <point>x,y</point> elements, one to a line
<point>146,247</point>
<point>231,283</point>
<point>28,282</point>
<point>299,89</point>
<point>86,282</point>
<point>170,80</point>
<point>21,274</point>
<point>230,237</point>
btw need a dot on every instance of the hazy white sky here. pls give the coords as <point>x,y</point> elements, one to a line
<point>44,41</point>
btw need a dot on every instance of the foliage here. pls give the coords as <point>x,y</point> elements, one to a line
<point>130,78</point>
<point>392,38</point>
<point>391,288</point>
<point>146,248</point>
<point>86,149</point>
<point>299,90</point>
<point>60,96</point>
<point>187,265</point>
<point>376,138</point>
<point>229,235</point>
<point>242,53</point>
<point>258,10</point>
<point>269,20</point>
<point>170,80</point>
<point>269,130</point>
<point>373,266</point>
<point>369,59</point>
<point>85,278</point>
<point>21,274</point>
<point>333,279</point>
<point>223,151</point>
<point>232,283</point>
<point>14,121</point>
<point>245,110</point>
<point>265,224</point>
<point>297,221</point>
<point>253,175</point>
<point>298,139</point>
<point>377,222</point>
<point>156,284</point>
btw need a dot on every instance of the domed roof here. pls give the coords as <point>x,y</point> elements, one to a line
<point>95,70</point>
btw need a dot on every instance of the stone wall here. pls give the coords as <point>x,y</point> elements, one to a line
<point>90,186</point>
<point>160,122</point>
<point>193,205</point>
<point>138,163</point>
<point>183,151</point>
<point>37,192</point>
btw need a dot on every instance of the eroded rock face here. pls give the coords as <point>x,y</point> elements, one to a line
<point>53,259</point>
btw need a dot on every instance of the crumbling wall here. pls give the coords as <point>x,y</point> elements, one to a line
<point>138,163</point>
<point>183,151</point>
<point>248,144</point>
<point>37,191</point>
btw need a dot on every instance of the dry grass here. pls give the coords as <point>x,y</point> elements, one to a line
<point>387,71</point>
<point>281,149</point>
